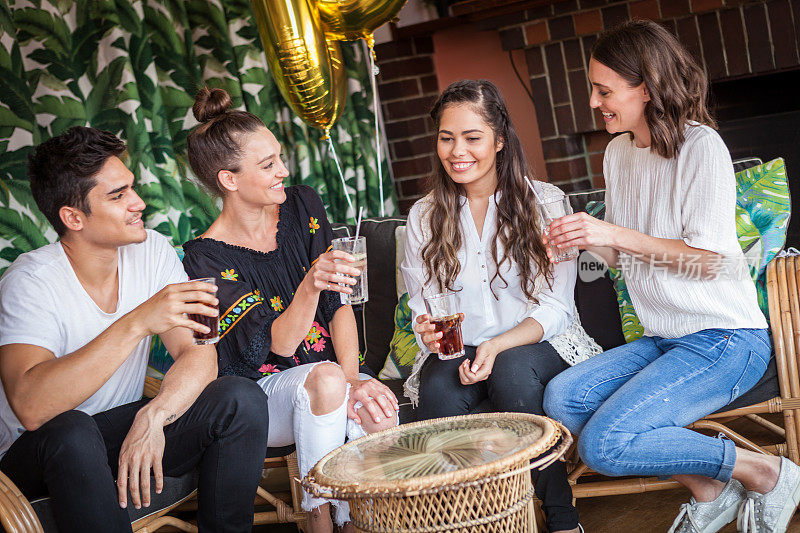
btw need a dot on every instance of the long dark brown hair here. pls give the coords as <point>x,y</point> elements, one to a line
<point>517,224</point>
<point>642,51</point>
<point>215,144</point>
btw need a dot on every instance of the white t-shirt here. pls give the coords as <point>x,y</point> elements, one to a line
<point>42,303</point>
<point>690,197</point>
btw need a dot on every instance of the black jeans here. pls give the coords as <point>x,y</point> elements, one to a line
<point>73,459</point>
<point>516,384</point>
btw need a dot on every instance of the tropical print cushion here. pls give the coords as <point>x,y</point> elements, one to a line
<point>403,348</point>
<point>763,209</point>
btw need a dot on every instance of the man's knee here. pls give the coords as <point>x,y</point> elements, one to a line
<point>326,387</point>
<point>237,396</point>
<point>72,438</point>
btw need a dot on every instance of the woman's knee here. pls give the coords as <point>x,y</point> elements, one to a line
<point>554,401</point>
<point>326,387</point>
<point>601,449</point>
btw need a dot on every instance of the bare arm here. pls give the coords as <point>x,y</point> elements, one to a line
<point>607,240</point>
<point>143,448</point>
<point>40,386</point>
<point>289,329</point>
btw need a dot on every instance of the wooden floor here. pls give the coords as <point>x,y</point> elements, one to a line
<point>652,512</point>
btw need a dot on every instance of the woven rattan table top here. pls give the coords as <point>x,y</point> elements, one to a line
<point>433,453</point>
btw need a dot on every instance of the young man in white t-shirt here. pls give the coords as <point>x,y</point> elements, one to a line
<point>76,318</point>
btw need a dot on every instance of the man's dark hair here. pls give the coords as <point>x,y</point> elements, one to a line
<point>62,169</point>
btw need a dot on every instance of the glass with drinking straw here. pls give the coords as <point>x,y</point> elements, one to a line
<point>551,207</point>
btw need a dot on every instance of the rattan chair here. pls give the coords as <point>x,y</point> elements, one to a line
<point>783,279</point>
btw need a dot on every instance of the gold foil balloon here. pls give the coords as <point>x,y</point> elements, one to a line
<point>307,69</point>
<point>347,20</point>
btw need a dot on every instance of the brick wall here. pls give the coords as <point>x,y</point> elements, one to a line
<point>408,87</point>
<point>730,38</point>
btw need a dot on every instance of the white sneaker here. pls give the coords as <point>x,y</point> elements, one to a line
<point>710,517</point>
<point>771,512</point>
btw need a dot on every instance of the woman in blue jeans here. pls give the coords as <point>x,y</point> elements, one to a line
<point>669,225</point>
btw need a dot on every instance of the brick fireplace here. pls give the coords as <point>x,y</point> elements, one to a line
<point>743,45</point>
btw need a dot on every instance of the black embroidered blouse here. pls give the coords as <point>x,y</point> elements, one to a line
<point>255,287</point>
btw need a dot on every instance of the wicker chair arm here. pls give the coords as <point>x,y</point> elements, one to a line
<point>16,513</point>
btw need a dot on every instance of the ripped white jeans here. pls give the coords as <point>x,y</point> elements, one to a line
<point>291,422</point>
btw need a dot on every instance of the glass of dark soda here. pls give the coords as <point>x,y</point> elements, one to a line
<point>444,315</point>
<point>211,321</point>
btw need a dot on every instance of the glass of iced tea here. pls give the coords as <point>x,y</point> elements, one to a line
<point>551,208</point>
<point>211,321</point>
<point>357,247</point>
<point>443,312</point>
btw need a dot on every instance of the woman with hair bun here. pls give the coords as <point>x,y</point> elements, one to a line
<point>477,233</point>
<point>281,320</point>
<point>670,226</point>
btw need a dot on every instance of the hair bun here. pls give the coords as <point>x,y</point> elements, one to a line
<point>210,103</point>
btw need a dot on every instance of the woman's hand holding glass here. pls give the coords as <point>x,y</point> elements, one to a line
<point>581,230</point>
<point>330,269</point>
<point>481,367</point>
<point>427,332</point>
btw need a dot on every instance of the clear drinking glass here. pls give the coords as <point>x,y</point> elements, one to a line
<point>358,249</point>
<point>551,208</point>
<point>211,321</point>
<point>444,315</point>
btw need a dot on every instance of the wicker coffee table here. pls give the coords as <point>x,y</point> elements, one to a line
<point>461,474</point>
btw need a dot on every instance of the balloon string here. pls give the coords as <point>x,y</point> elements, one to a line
<point>373,76</point>
<point>351,209</point>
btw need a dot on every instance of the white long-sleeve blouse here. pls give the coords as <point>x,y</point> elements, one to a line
<point>488,315</point>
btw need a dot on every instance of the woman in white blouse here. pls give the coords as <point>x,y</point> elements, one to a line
<point>670,226</point>
<point>477,233</point>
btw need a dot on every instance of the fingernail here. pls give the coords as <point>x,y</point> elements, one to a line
<point>158,491</point>
<point>123,505</point>
<point>377,419</point>
<point>138,506</point>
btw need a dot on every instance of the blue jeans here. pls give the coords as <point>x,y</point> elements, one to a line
<point>630,404</point>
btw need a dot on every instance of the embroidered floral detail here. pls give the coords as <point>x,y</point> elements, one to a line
<point>235,312</point>
<point>313,226</point>
<point>229,274</point>
<point>266,369</point>
<point>315,340</point>
<point>276,303</point>
<point>361,358</point>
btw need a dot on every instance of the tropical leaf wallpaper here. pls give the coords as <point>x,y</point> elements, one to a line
<point>133,67</point>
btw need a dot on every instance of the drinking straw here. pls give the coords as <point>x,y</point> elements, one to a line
<point>358,223</point>
<point>533,190</point>
<point>542,209</point>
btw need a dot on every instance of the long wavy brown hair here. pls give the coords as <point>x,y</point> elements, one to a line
<point>518,227</point>
<point>641,51</point>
